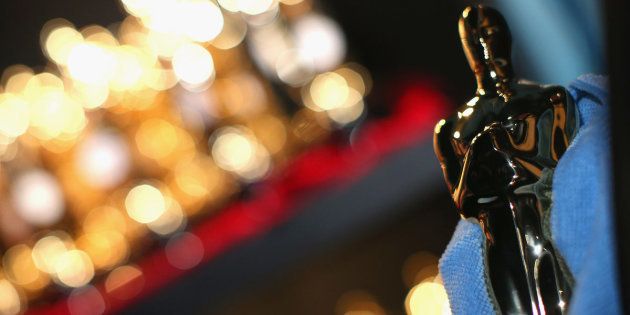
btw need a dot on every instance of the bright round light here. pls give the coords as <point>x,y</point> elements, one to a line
<point>37,198</point>
<point>202,20</point>
<point>55,115</point>
<point>253,7</point>
<point>329,91</point>
<point>145,203</point>
<point>103,159</point>
<point>74,268</point>
<point>293,69</point>
<point>91,64</point>
<point>193,64</point>
<point>236,150</point>
<point>349,113</point>
<point>427,298</point>
<point>19,265</point>
<point>10,303</point>
<point>320,39</point>
<point>47,251</point>
<point>14,117</point>
<point>60,42</point>
<point>170,221</point>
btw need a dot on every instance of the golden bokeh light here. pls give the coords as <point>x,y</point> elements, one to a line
<point>350,111</point>
<point>294,68</point>
<point>15,78</point>
<point>103,159</point>
<point>157,138</point>
<point>427,298</point>
<point>170,221</point>
<point>251,7</point>
<point>59,38</point>
<point>106,249</point>
<point>232,34</point>
<point>193,64</point>
<point>354,79</point>
<point>74,268</point>
<point>14,115</point>
<point>37,197</point>
<point>19,266</point>
<point>236,150</point>
<point>194,177</point>
<point>145,203</point>
<point>105,218</point>
<point>131,66</point>
<point>10,303</point>
<point>100,141</point>
<point>328,91</point>
<point>201,20</point>
<point>319,39</point>
<point>48,249</point>
<point>91,64</point>
<point>53,113</point>
<point>89,96</point>
<point>99,35</point>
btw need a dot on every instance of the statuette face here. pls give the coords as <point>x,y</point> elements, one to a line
<point>498,153</point>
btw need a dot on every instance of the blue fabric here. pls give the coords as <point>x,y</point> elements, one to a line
<point>581,220</point>
<point>463,271</point>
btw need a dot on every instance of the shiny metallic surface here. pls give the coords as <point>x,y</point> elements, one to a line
<point>498,153</point>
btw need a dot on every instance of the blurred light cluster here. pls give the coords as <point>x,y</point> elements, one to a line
<point>426,296</point>
<point>133,130</point>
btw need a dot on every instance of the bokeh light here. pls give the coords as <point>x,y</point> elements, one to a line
<point>103,144</point>
<point>90,63</point>
<point>10,303</point>
<point>59,37</point>
<point>49,249</point>
<point>37,198</point>
<point>14,115</point>
<point>106,249</point>
<point>145,203</point>
<point>19,265</point>
<point>103,159</point>
<point>170,221</point>
<point>202,20</point>
<point>428,298</point>
<point>319,39</point>
<point>74,268</point>
<point>193,64</point>
<point>236,150</point>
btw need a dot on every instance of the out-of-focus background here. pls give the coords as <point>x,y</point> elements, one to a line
<point>241,156</point>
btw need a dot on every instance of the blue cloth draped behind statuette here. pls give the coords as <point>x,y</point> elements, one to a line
<point>581,220</point>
